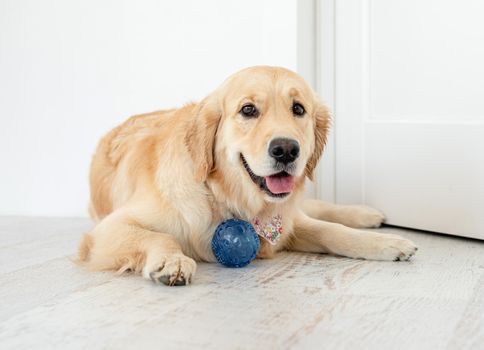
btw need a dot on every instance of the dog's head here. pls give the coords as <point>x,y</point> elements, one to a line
<point>263,124</point>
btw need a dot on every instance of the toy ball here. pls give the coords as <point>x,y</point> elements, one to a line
<point>235,243</point>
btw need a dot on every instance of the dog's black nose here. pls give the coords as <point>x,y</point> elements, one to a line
<point>284,150</point>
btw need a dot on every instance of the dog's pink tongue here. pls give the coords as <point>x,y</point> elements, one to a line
<point>280,184</point>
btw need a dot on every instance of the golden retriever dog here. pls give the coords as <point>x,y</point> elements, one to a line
<point>162,182</point>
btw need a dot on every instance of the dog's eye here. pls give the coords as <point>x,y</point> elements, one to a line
<point>298,109</point>
<point>249,111</point>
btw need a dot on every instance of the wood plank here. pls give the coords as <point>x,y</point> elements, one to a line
<point>20,229</point>
<point>469,331</point>
<point>31,241</point>
<point>296,301</point>
<point>44,283</point>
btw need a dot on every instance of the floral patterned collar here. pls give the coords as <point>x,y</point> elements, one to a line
<point>269,230</point>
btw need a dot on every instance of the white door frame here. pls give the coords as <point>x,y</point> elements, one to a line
<point>325,34</point>
<point>316,64</point>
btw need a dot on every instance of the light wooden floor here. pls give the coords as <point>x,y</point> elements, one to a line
<point>296,301</point>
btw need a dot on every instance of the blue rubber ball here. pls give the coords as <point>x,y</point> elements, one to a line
<point>235,243</point>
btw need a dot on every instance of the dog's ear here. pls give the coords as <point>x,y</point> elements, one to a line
<point>321,127</point>
<point>200,137</point>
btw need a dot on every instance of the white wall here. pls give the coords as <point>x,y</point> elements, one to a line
<point>71,70</point>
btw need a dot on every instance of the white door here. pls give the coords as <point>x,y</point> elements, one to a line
<point>409,110</point>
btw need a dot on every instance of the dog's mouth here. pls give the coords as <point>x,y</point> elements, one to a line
<point>278,185</point>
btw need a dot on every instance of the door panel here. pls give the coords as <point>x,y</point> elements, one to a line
<point>426,59</point>
<point>426,176</point>
<point>409,111</point>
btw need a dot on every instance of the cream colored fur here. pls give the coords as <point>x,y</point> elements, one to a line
<point>161,183</point>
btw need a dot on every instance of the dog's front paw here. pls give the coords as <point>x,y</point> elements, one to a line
<point>171,269</point>
<point>362,216</point>
<point>390,247</point>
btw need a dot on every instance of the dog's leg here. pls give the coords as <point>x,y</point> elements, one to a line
<point>357,216</point>
<point>317,236</point>
<point>120,243</point>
